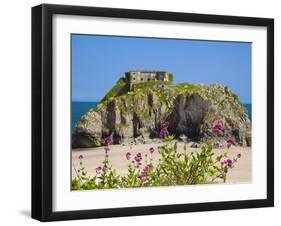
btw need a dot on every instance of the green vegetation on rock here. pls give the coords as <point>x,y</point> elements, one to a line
<point>170,77</point>
<point>118,89</point>
<point>191,109</point>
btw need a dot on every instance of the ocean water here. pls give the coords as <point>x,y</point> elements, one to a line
<point>80,108</point>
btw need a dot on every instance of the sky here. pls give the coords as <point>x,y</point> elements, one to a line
<point>99,61</point>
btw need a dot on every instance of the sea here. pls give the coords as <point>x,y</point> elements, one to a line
<point>80,108</point>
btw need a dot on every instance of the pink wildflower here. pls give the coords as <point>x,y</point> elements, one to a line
<point>164,133</point>
<point>98,169</point>
<point>231,141</point>
<point>144,172</point>
<point>109,140</point>
<point>218,128</point>
<point>128,155</point>
<point>81,157</point>
<point>151,150</point>
<point>229,162</point>
<point>138,157</point>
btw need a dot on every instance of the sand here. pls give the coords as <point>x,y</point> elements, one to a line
<point>241,173</point>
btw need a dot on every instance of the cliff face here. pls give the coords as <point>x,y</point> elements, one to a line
<point>136,115</point>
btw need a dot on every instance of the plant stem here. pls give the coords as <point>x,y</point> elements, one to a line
<point>77,173</point>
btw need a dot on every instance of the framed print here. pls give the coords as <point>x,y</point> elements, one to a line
<point>146,112</point>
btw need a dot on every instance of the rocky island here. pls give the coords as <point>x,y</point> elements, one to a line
<point>133,110</point>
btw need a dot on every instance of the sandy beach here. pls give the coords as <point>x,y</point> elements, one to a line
<point>241,173</point>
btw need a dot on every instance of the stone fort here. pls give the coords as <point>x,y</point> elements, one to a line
<point>144,76</point>
<point>135,77</point>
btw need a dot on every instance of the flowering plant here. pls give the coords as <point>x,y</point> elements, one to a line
<point>173,168</point>
<point>218,128</point>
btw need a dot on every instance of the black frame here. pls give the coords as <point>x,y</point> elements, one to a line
<point>42,111</point>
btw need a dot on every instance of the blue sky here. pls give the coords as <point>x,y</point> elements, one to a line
<point>99,61</point>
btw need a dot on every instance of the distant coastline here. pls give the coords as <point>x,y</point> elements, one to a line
<point>79,108</point>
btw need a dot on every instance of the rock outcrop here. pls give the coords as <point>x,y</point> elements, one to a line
<point>88,132</point>
<point>191,109</point>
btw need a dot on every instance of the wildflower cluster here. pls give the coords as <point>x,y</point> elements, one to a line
<point>172,168</point>
<point>144,173</point>
<point>218,128</point>
<point>137,160</point>
<point>230,141</point>
<point>164,129</point>
<point>218,131</point>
